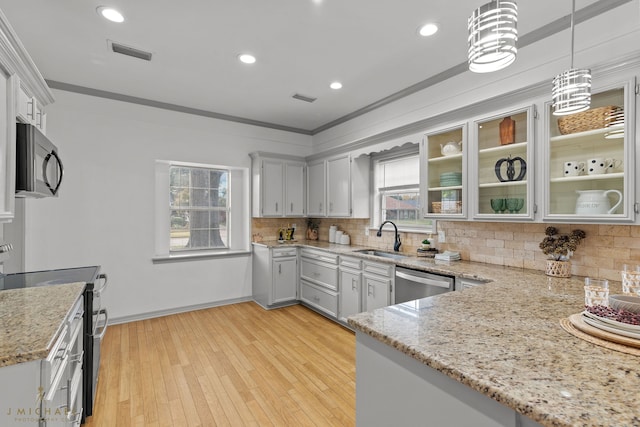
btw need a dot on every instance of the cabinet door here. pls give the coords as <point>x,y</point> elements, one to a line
<point>502,166</point>
<point>294,189</point>
<point>339,186</point>
<point>7,145</point>
<point>590,159</point>
<point>443,167</point>
<point>350,295</point>
<point>285,275</point>
<point>272,188</point>
<point>316,190</point>
<point>378,292</point>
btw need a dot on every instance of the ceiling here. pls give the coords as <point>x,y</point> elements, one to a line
<point>301,46</point>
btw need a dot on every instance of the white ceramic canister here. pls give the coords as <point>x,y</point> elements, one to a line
<point>339,234</point>
<point>332,233</point>
<point>345,240</point>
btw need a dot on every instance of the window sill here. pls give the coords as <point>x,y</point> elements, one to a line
<point>198,255</point>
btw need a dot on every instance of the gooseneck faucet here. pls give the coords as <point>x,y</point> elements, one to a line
<point>396,245</point>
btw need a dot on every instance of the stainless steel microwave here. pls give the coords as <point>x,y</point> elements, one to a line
<point>39,169</point>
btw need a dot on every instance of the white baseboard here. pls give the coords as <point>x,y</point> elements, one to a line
<point>167,312</point>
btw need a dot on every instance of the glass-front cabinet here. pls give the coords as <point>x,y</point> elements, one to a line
<point>590,158</point>
<point>502,166</point>
<point>443,160</point>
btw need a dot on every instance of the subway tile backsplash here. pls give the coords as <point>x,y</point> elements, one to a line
<point>600,254</point>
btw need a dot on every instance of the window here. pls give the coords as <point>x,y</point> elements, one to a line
<point>397,196</point>
<point>201,210</point>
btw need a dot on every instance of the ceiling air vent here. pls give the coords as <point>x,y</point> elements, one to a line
<point>303,98</point>
<point>130,51</point>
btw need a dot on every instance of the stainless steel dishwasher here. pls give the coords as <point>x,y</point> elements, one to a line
<point>416,284</point>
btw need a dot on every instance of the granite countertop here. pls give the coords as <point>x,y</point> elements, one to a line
<point>32,318</point>
<point>504,340</point>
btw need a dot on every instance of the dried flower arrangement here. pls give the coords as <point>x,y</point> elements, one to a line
<point>560,247</point>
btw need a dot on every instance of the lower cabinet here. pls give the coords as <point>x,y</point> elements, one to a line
<point>320,298</point>
<point>350,287</point>
<point>319,286</point>
<point>47,391</point>
<point>275,276</point>
<point>378,280</point>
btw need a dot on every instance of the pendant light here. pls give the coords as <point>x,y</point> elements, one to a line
<point>493,34</point>
<point>571,88</point>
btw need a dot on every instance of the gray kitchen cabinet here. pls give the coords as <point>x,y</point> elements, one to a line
<point>350,270</point>
<point>603,187</point>
<point>502,166</point>
<point>319,287</point>
<point>378,280</point>
<point>339,187</point>
<point>275,275</point>
<point>278,185</point>
<point>316,189</point>
<point>285,277</point>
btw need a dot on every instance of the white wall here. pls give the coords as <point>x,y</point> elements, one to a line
<point>602,39</point>
<point>105,212</point>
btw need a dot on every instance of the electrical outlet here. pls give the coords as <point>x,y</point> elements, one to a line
<point>366,231</point>
<point>441,237</point>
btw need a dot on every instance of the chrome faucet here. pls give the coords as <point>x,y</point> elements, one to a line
<point>396,245</point>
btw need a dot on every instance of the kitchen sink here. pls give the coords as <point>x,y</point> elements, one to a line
<point>393,255</point>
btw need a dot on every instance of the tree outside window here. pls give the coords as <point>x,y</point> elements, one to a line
<point>199,208</point>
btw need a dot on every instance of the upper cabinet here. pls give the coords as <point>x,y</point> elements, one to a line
<point>502,166</point>
<point>30,110</point>
<point>590,159</point>
<point>339,187</point>
<point>278,185</point>
<point>23,96</point>
<point>443,165</point>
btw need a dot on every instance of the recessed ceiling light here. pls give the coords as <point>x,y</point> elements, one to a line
<point>428,30</point>
<point>336,85</point>
<point>110,13</point>
<point>246,58</point>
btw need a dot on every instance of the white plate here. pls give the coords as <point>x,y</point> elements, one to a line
<point>602,326</point>
<point>614,323</point>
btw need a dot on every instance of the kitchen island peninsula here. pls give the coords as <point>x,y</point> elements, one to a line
<point>493,355</point>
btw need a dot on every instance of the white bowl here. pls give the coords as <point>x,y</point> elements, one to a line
<point>625,302</point>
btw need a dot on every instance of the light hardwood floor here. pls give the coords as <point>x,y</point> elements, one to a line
<point>233,365</point>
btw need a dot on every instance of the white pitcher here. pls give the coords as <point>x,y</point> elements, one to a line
<point>596,202</point>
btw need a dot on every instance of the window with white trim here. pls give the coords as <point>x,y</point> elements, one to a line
<point>397,192</point>
<point>201,209</point>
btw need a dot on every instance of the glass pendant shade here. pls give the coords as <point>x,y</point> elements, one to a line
<point>493,34</point>
<point>571,91</point>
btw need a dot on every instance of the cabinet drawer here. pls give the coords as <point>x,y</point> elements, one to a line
<point>385,270</point>
<point>284,252</point>
<point>322,299</point>
<point>349,262</point>
<point>319,273</point>
<point>319,255</point>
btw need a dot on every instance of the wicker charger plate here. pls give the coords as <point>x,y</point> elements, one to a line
<point>579,329</point>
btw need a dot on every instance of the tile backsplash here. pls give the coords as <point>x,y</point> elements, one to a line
<point>600,254</point>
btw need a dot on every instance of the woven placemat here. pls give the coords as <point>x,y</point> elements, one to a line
<point>568,326</point>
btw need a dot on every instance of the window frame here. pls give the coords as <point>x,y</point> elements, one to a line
<point>210,209</point>
<point>377,192</point>
<point>238,213</point>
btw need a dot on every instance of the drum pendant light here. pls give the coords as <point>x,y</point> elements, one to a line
<point>571,88</point>
<point>493,34</point>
